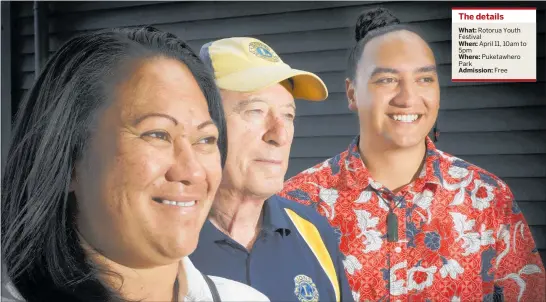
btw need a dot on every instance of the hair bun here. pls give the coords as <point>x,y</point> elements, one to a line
<point>373,19</point>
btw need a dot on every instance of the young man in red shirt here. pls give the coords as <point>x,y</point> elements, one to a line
<point>415,223</point>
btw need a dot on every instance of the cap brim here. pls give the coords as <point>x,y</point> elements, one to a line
<point>307,86</point>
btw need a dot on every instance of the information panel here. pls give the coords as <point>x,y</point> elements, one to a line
<point>494,44</point>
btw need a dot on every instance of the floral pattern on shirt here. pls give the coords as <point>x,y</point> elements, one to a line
<point>461,234</point>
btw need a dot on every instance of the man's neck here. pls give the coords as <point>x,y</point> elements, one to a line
<point>238,215</point>
<point>392,167</point>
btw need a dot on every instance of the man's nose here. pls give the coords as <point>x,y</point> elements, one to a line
<point>276,134</point>
<point>407,94</point>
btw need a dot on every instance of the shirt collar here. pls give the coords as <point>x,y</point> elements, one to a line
<point>274,218</point>
<point>211,232</point>
<point>356,175</point>
<point>198,289</point>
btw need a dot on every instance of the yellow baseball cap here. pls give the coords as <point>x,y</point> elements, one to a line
<point>247,64</point>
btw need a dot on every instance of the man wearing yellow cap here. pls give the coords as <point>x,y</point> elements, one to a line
<point>283,249</point>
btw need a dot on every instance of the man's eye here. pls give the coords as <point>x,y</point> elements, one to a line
<point>427,80</point>
<point>386,80</point>
<point>211,140</point>
<point>255,111</point>
<point>162,135</point>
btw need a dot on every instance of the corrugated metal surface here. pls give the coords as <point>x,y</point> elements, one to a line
<point>501,128</point>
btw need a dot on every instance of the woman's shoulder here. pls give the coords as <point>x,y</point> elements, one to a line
<point>9,292</point>
<point>230,290</point>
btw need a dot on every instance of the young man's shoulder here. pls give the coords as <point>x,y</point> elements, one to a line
<point>330,166</point>
<point>458,167</point>
<point>326,174</point>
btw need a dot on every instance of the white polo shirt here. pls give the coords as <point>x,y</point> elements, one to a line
<point>198,289</point>
<point>228,290</point>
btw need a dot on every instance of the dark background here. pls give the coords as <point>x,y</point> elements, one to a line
<point>500,127</point>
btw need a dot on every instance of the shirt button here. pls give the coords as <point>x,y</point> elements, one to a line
<point>397,249</point>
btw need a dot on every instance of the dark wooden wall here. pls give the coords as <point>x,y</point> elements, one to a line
<point>500,127</point>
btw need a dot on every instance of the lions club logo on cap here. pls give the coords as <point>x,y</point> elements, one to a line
<point>263,51</point>
<point>305,290</point>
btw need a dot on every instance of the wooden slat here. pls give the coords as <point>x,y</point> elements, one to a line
<point>479,120</point>
<point>458,144</point>
<point>64,7</point>
<point>26,44</point>
<point>175,12</point>
<point>534,212</point>
<point>503,119</point>
<point>78,6</point>
<point>56,7</point>
<point>20,95</point>
<point>27,64</point>
<point>493,96</point>
<point>283,42</point>
<point>527,189</point>
<point>27,80</point>
<point>469,97</point>
<point>25,9</point>
<point>339,17</point>
<point>316,60</point>
<point>529,165</point>
<point>485,143</point>
<point>537,4</point>
<point>539,235</point>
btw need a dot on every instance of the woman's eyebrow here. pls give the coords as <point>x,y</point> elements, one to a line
<point>139,119</point>
<point>205,124</point>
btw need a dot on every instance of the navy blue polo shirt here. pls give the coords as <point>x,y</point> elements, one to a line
<point>280,264</point>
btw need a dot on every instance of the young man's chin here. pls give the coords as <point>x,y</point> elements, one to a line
<point>406,141</point>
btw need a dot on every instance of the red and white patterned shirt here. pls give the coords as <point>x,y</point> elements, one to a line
<point>461,234</point>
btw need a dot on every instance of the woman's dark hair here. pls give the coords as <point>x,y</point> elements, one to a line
<point>370,24</point>
<point>40,246</point>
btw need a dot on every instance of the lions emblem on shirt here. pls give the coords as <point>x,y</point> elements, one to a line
<point>305,290</point>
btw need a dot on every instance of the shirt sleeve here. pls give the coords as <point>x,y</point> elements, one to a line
<point>520,272</point>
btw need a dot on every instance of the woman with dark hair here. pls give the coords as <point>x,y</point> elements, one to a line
<point>116,157</point>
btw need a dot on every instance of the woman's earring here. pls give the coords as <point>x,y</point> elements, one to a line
<point>352,105</point>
